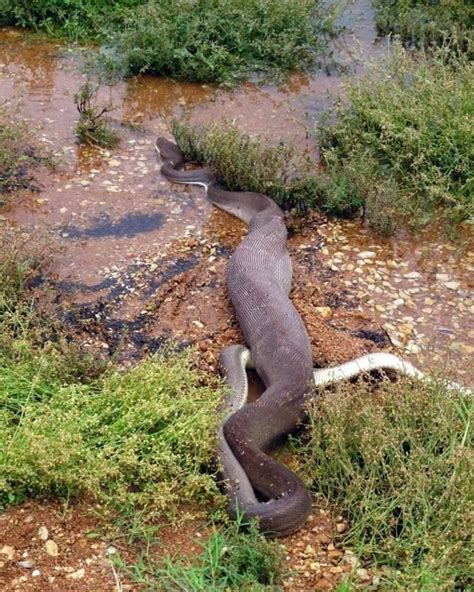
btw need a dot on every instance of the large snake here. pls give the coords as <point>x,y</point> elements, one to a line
<point>259,280</point>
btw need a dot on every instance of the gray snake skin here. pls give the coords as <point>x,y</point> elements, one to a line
<point>259,280</point>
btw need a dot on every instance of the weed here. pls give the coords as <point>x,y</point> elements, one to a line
<point>93,127</point>
<point>207,40</point>
<point>403,141</point>
<point>400,464</point>
<point>230,560</point>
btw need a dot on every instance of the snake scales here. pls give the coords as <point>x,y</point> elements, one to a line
<point>259,279</point>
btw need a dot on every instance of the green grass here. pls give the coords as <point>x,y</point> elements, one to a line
<point>248,163</point>
<point>399,463</point>
<point>137,441</point>
<point>204,40</point>
<point>426,22</point>
<point>16,154</point>
<point>402,143</point>
<point>230,560</point>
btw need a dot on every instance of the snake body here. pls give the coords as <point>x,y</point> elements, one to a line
<point>259,280</point>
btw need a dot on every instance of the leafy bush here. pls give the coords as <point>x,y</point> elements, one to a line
<point>76,19</point>
<point>425,22</point>
<point>400,464</point>
<point>208,40</point>
<point>403,140</point>
<point>220,40</point>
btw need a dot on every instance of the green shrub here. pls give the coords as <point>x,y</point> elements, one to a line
<point>404,141</point>
<point>400,464</point>
<point>207,40</point>
<point>246,163</point>
<point>136,440</point>
<point>220,40</point>
<point>76,19</point>
<point>426,22</point>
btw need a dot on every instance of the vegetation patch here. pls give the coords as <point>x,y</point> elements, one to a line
<point>400,464</point>
<point>400,147</point>
<point>230,560</point>
<point>93,126</point>
<point>205,40</point>
<point>138,441</point>
<point>247,163</point>
<point>402,144</point>
<point>16,155</point>
<point>426,22</point>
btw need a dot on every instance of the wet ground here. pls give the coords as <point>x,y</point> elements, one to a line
<point>137,261</point>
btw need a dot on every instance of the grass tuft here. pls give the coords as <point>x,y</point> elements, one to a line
<point>247,163</point>
<point>399,463</point>
<point>424,22</point>
<point>230,560</point>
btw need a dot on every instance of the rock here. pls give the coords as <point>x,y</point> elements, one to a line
<point>341,527</point>
<point>35,573</point>
<point>323,585</point>
<point>51,548</point>
<point>8,551</point>
<point>366,255</point>
<point>43,533</point>
<point>413,275</point>
<point>324,311</point>
<point>76,575</point>
<point>26,564</point>
<point>362,574</point>
<point>452,285</point>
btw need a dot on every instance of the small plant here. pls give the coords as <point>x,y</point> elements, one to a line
<point>230,560</point>
<point>93,127</point>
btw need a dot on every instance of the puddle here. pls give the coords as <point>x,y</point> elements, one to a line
<point>147,258</point>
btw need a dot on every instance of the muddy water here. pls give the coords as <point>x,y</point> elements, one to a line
<point>149,257</point>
